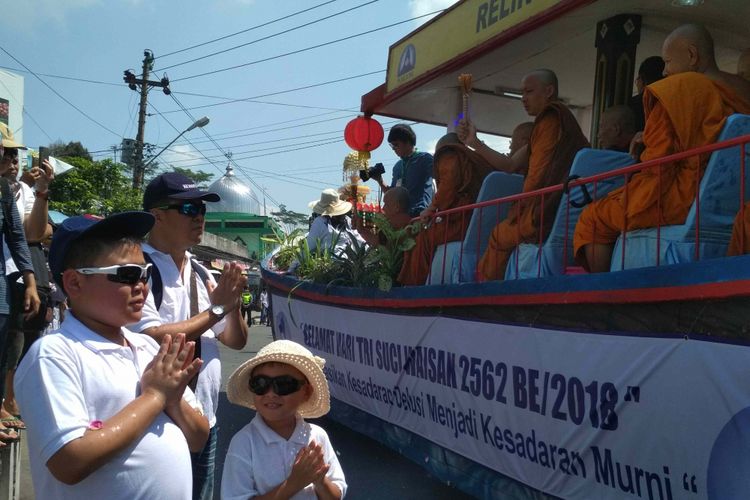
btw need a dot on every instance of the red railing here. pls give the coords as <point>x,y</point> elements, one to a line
<point>465,212</point>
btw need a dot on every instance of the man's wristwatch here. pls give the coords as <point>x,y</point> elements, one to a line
<point>217,310</point>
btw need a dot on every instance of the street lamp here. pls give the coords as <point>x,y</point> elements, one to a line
<point>138,175</point>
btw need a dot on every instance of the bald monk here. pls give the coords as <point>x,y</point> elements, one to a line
<point>459,173</point>
<point>743,65</point>
<point>556,138</point>
<point>674,123</point>
<point>396,211</point>
<point>651,70</point>
<point>616,128</point>
<point>520,140</point>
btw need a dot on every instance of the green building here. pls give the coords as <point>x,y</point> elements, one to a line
<point>237,216</point>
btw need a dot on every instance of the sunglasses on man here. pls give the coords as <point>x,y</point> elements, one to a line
<point>128,274</point>
<point>189,209</point>
<point>283,385</point>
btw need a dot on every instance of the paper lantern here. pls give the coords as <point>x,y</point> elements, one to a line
<point>363,134</point>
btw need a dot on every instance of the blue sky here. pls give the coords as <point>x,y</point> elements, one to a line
<point>98,39</point>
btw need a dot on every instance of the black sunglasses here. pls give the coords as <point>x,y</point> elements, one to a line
<point>129,274</point>
<point>189,209</point>
<point>282,386</point>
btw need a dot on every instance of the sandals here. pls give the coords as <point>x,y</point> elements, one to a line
<point>8,435</point>
<point>13,423</point>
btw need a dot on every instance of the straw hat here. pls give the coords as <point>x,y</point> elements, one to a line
<point>290,353</point>
<point>330,204</point>
<point>8,139</point>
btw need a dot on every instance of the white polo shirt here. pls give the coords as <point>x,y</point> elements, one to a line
<point>175,307</point>
<point>72,377</point>
<point>258,460</point>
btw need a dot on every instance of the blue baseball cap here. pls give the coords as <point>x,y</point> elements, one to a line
<point>136,224</point>
<point>174,185</point>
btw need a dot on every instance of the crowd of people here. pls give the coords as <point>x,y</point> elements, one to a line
<point>121,400</point>
<point>657,122</point>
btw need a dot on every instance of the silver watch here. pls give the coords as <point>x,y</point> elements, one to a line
<point>218,310</point>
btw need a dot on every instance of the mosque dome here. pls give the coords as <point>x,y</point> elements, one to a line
<point>236,196</point>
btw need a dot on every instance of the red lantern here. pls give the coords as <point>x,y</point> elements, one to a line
<point>363,134</point>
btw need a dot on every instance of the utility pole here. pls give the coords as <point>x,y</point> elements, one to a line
<point>145,85</point>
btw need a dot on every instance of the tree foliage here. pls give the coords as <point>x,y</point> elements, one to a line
<point>70,150</point>
<point>201,178</point>
<point>289,219</point>
<point>94,187</point>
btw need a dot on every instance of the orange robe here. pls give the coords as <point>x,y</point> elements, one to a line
<point>683,111</point>
<point>459,173</point>
<point>740,242</point>
<point>555,140</point>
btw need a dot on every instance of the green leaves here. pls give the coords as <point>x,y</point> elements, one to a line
<point>95,187</point>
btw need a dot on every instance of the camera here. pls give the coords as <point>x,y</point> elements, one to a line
<point>375,170</point>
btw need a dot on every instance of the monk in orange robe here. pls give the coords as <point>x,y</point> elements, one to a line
<point>673,124</point>
<point>740,242</point>
<point>459,173</point>
<point>555,139</point>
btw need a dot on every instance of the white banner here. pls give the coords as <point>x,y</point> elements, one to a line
<point>576,415</point>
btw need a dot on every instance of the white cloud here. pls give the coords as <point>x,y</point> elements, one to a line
<point>421,7</point>
<point>182,155</point>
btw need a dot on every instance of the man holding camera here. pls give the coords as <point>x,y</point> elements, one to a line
<point>413,171</point>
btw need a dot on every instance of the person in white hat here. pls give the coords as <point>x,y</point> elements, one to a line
<point>278,453</point>
<point>332,228</point>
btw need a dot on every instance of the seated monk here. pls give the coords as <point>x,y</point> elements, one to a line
<point>520,140</point>
<point>651,70</point>
<point>674,123</point>
<point>556,138</point>
<point>396,211</point>
<point>740,242</point>
<point>616,128</point>
<point>459,173</point>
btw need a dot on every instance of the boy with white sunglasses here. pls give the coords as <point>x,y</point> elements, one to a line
<point>108,411</point>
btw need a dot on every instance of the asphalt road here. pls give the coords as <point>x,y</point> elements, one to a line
<point>372,470</point>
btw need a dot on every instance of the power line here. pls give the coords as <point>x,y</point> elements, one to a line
<point>255,101</point>
<point>85,80</point>
<point>60,95</point>
<point>269,36</point>
<point>313,85</point>
<point>233,161</point>
<point>288,16</point>
<point>107,150</point>
<point>298,51</point>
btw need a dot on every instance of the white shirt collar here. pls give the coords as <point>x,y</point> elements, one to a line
<point>299,436</point>
<point>73,327</point>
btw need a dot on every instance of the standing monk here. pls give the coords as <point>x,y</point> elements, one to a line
<point>673,124</point>
<point>555,139</point>
<point>459,173</point>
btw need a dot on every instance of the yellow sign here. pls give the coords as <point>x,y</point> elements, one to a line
<point>466,26</point>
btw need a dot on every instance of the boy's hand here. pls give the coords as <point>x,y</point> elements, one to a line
<point>171,370</point>
<point>309,467</point>
<point>229,289</point>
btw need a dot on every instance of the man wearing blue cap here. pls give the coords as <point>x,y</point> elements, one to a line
<point>109,411</point>
<point>184,298</point>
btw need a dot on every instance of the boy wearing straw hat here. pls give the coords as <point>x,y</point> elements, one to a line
<point>278,454</point>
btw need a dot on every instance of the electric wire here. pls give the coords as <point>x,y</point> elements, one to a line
<point>273,35</point>
<point>305,49</point>
<point>305,87</point>
<point>267,23</point>
<point>233,161</point>
<point>58,94</point>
